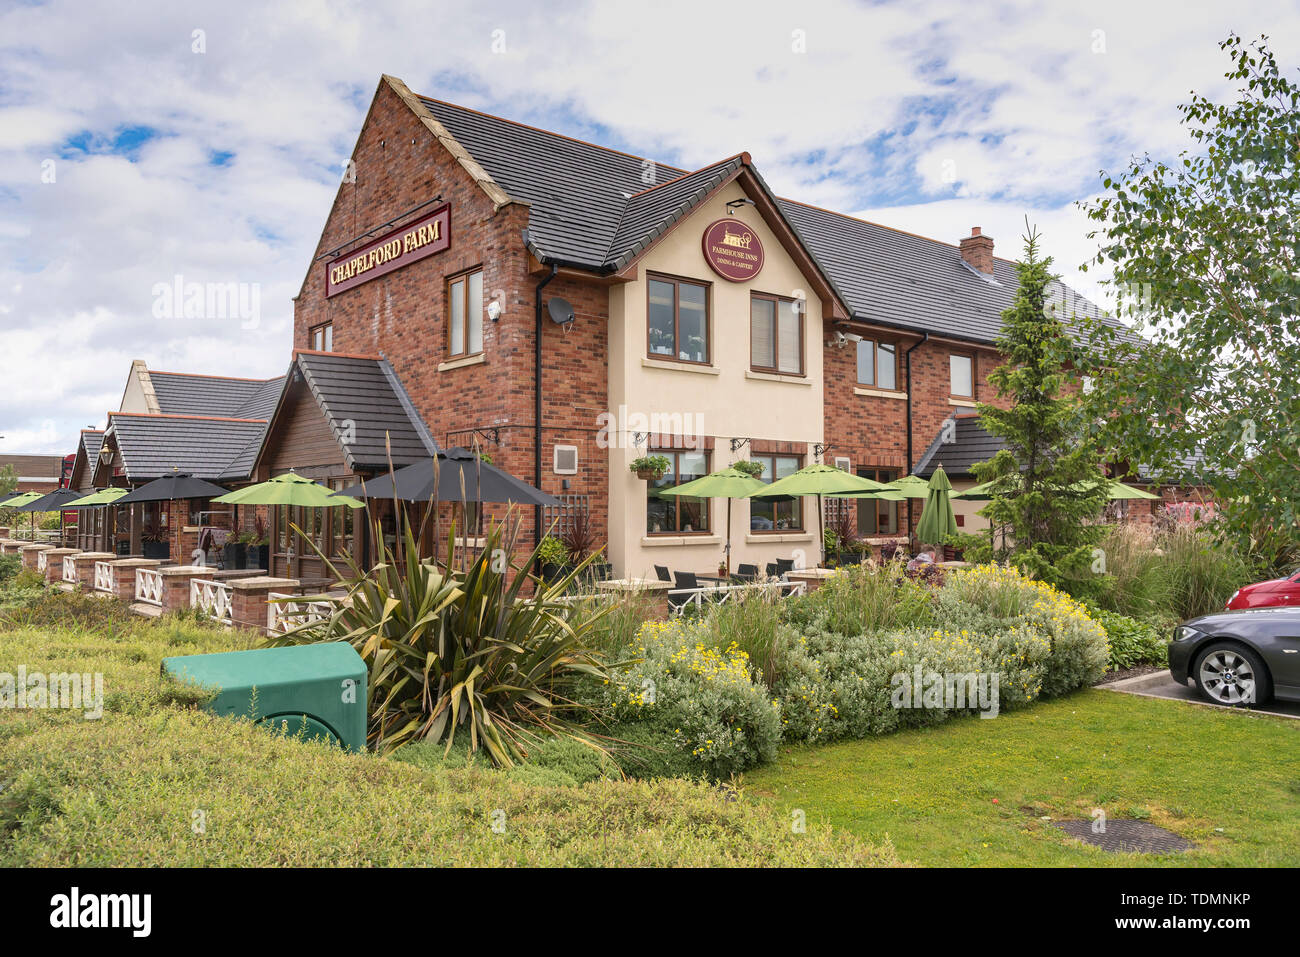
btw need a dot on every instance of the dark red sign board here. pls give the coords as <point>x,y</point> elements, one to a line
<point>407,244</point>
<point>733,250</point>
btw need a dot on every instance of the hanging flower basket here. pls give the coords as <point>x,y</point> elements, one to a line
<point>650,467</point>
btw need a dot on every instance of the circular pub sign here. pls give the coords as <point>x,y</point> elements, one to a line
<point>733,250</point>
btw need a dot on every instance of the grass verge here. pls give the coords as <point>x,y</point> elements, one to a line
<point>974,792</point>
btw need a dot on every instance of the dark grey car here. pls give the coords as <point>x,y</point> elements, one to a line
<point>1240,657</point>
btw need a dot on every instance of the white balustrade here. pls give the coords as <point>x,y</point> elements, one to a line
<point>680,599</point>
<point>285,612</point>
<point>213,599</point>
<point>149,586</point>
<point>69,569</point>
<point>104,578</point>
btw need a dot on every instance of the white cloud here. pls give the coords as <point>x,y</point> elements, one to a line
<point>845,105</point>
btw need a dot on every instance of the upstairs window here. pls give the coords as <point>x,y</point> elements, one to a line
<point>677,314</point>
<point>775,335</point>
<point>465,314</point>
<point>961,376</point>
<point>321,337</point>
<point>878,364</point>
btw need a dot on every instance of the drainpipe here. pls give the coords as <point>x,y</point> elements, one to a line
<point>537,402</point>
<point>908,355</point>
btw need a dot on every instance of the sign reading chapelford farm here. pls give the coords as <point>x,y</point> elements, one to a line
<point>733,250</point>
<point>427,235</point>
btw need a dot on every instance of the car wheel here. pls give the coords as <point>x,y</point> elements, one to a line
<point>1232,675</point>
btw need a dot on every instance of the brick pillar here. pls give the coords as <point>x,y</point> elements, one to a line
<point>4,531</point>
<point>54,563</point>
<point>813,578</point>
<point>176,584</point>
<point>651,592</point>
<point>85,563</point>
<point>124,575</point>
<point>31,552</point>
<point>248,607</point>
<point>12,546</point>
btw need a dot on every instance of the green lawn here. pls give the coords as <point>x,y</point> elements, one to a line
<point>973,792</point>
<point>155,782</point>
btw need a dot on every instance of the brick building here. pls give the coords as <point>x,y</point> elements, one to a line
<point>692,314</point>
<point>567,308</point>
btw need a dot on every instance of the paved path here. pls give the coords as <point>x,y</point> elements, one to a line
<point>1161,684</point>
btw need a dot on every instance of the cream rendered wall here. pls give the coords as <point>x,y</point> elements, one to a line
<point>724,400</point>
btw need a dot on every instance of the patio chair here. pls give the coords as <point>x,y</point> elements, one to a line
<point>746,573</point>
<point>784,565</point>
<point>663,573</point>
<point>771,569</point>
<point>684,580</point>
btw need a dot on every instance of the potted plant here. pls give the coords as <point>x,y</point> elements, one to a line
<point>235,552</point>
<point>552,559</point>
<point>722,568</point>
<point>650,467</point>
<point>258,551</point>
<point>750,468</point>
<point>843,547</point>
<point>154,545</point>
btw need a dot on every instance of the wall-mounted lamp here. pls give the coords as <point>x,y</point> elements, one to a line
<point>494,310</point>
<point>731,206</point>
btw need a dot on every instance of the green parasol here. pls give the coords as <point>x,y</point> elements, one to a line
<point>819,479</point>
<point>727,483</point>
<point>937,521</point>
<point>289,489</point>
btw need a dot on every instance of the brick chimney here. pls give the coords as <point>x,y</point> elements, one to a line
<point>977,251</point>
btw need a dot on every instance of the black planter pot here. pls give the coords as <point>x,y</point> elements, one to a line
<point>551,571</point>
<point>158,550</point>
<point>258,556</point>
<point>597,572</point>
<point>235,554</point>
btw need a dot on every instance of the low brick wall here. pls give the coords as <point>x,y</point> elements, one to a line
<point>176,584</point>
<point>248,606</point>
<point>650,592</point>
<point>85,562</point>
<point>31,553</point>
<point>54,563</point>
<point>124,575</point>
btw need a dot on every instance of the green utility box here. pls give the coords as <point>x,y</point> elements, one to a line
<point>319,688</point>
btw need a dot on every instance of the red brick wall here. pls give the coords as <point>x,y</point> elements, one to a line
<point>872,431</point>
<point>402,315</point>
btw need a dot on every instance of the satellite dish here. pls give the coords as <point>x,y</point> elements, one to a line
<point>560,310</point>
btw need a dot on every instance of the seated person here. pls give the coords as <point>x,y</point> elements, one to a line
<point>924,557</point>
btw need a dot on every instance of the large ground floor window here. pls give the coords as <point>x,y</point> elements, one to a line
<point>674,514</point>
<point>776,514</point>
<point>876,516</point>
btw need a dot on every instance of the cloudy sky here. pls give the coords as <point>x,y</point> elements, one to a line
<point>145,141</point>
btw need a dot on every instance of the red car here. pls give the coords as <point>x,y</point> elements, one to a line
<point>1269,594</point>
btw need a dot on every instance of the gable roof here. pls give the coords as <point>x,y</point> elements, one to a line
<point>362,398</point>
<point>89,443</point>
<point>576,191</point>
<point>649,214</point>
<point>589,208</point>
<point>971,444</point>
<point>181,393</point>
<point>208,447</point>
